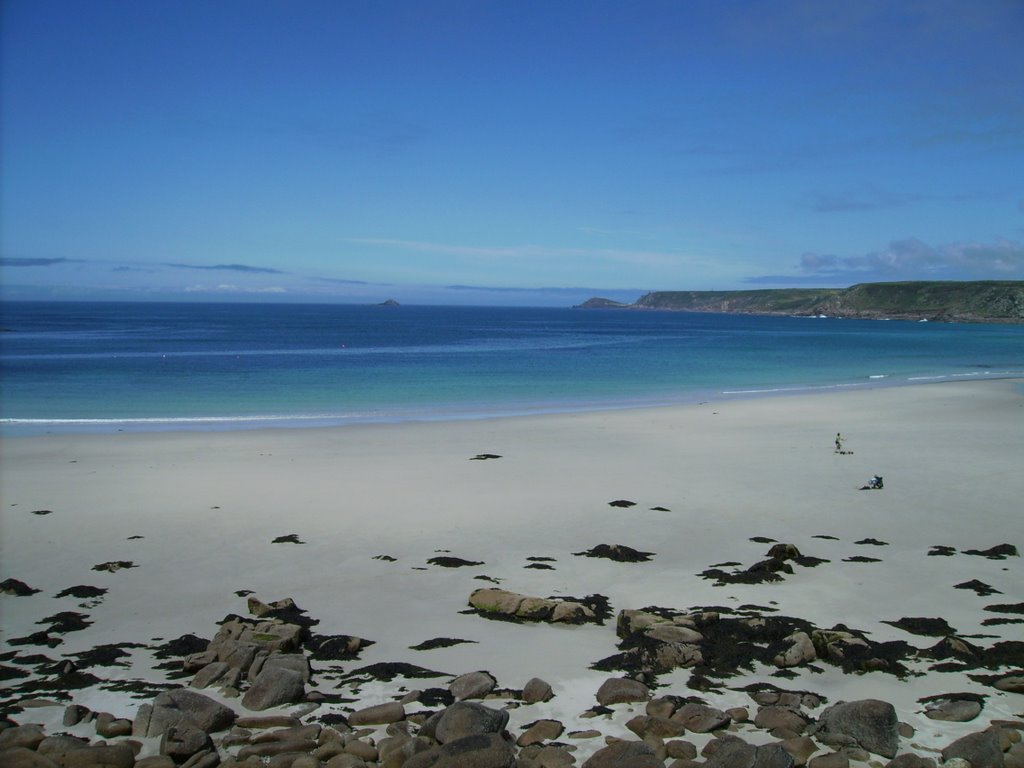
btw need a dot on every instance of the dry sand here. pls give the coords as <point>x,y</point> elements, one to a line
<point>208,506</point>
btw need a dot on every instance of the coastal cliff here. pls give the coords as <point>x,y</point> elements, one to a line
<point>988,301</point>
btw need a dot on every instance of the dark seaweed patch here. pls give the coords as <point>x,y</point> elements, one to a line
<point>389,670</point>
<point>923,626</point>
<point>439,642</point>
<point>114,565</point>
<point>980,587</point>
<point>16,587</point>
<point>861,559</point>
<point>453,562</point>
<point>485,456</point>
<point>617,552</point>
<point>82,592</point>
<point>291,538</point>
<point>622,503</point>
<point>873,542</point>
<point>941,550</point>
<point>998,552</point>
<point>1005,608</point>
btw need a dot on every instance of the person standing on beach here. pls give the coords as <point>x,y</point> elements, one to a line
<point>839,443</point>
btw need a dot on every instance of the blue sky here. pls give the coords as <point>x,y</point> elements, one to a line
<point>508,152</point>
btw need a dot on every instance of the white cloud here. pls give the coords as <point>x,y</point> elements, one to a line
<point>915,259</point>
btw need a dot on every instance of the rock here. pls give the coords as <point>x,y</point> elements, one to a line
<point>701,718</point>
<point>380,714</point>
<point>74,714</point>
<point>120,756</point>
<point>800,651</point>
<point>23,757</point>
<point>274,686</point>
<point>618,690</point>
<point>110,727</point>
<point>154,761</point>
<point>570,612</point>
<point>870,723</point>
<point>466,718</point>
<point>473,685</point>
<point>28,736</point>
<point>487,600</point>
<point>771,718</point>
<point>272,748</point>
<point>953,710</point>
<point>210,674</point>
<point>910,761</point>
<point>800,748</point>
<point>182,705</point>
<point>542,730</point>
<point>831,760</point>
<point>625,754</point>
<point>183,740</point>
<point>981,750</point>
<point>660,727</point>
<point>536,691</point>
<point>783,552</point>
<point>55,746</point>
<point>1011,684</point>
<point>485,750</point>
<point>670,633</point>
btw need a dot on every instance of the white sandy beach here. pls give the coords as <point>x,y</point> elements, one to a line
<point>208,506</point>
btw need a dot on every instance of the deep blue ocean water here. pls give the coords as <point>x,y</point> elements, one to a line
<point>105,366</point>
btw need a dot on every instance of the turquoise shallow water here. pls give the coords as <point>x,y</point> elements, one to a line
<point>108,366</point>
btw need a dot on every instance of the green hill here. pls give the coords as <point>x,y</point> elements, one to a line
<point>984,301</point>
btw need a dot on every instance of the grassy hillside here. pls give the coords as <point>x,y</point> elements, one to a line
<point>977,301</point>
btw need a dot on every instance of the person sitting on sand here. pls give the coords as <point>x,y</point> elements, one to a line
<point>874,484</point>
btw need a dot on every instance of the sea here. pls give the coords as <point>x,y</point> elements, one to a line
<point>70,367</point>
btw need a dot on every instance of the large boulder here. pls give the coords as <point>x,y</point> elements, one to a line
<point>274,686</point>
<point>871,723</point>
<point>472,685</point>
<point>981,750</point>
<point>465,718</point>
<point>182,705</point>
<point>483,750</point>
<point>620,690</point>
<point>625,754</point>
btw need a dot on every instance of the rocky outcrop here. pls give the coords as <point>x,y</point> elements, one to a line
<point>500,603</point>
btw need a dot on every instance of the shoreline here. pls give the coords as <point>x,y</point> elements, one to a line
<point>711,483</point>
<point>439,414</point>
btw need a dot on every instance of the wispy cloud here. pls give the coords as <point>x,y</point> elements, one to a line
<point>872,200</point>
<point>648,258</point>
<point>228,268</point>
<point>15,261</point>
<point>227,288</point>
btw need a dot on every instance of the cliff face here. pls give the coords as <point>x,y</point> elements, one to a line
<point>979,301</point>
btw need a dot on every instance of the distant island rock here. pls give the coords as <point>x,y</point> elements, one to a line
<point>389,303</point>
<point>982,301</point>
<point>601,303</point>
